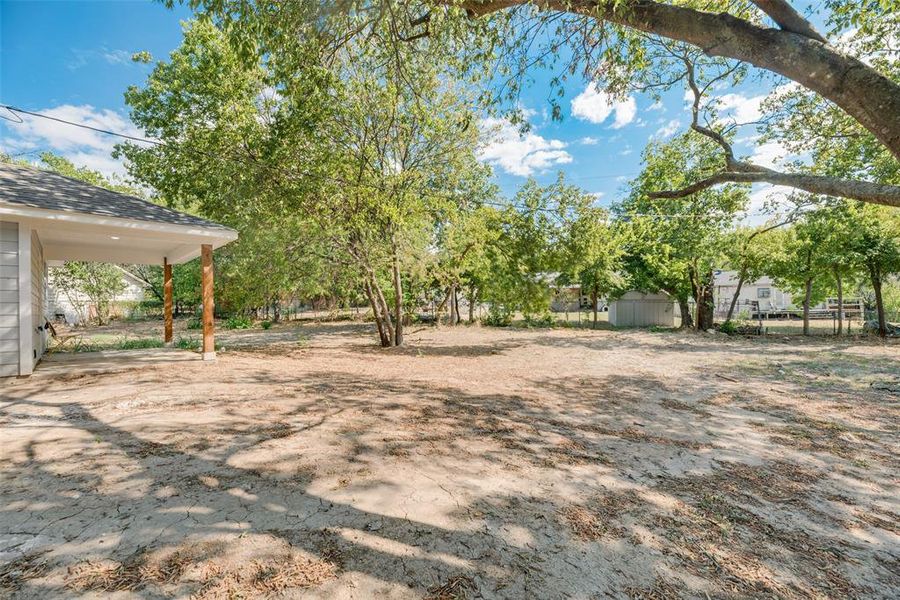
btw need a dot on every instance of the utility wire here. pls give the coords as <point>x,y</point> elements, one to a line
<point>14,110</point>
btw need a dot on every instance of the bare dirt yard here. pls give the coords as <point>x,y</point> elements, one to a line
<point>472,463</point>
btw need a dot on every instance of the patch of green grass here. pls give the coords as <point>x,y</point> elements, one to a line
<point>140,343</point>
<point>237,322</point>
<point>101,343</point>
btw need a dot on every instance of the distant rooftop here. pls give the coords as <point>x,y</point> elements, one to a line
<point>37,188</point>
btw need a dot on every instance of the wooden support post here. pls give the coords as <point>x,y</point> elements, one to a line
<point>167,301</point>
<point>206,261</point>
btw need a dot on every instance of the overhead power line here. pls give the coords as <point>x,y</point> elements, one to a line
<point>15,111</point>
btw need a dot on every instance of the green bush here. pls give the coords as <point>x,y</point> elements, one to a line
<point>546,320</point>
<point>187,343</point>
<point>266,324</point>
<point>497,317</point>
<point>238,322</point>
<point>728,327</point>
<point>194,323</point>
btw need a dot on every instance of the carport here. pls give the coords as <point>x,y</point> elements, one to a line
<point>45,217</point>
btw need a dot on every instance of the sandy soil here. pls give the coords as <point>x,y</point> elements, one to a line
<point>471,463</point>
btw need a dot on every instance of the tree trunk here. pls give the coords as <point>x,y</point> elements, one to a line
<point>806,298</point>
<point>875,276</point>
<point>687,322</point>
<point>705,305</point>
<point>398,293</point>
<point>734,301</point>
<point>454,307</point>
<point>594,303</point>
<point>860,90</point>
<point>840,299</point>
<point>383,335</point>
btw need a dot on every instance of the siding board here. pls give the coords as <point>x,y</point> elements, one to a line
<point>9,299</point>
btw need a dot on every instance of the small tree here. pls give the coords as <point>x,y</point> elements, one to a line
<point>875,244</point>
<point>100,283</point>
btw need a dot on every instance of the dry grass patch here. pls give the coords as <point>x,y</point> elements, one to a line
<point>458,587</point>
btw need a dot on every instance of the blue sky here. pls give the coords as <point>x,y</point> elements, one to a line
<point>72,60</point>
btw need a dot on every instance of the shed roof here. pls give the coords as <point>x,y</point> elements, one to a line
<point>37,188</point>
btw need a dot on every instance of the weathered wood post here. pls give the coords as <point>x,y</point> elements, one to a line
<point>206,261</point>
<point>167,302</point>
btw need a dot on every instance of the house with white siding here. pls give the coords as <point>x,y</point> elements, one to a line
<point>46,217</point>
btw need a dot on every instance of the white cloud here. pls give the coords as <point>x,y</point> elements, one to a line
<point>520,154</point>
<point>744,109</point>
<point>82,146</point>
<point>667,130</point>
<point>117,57</point>
<point>595,106</point>
<point>658,105</point>
<point>589,141</point>
<point>770,155</point>
<point>767,196</point>
<point>626,152</point>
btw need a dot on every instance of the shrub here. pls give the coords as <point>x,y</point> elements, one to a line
<point>497,317</point>
<point>194,323</point>
<point>266,324</point>
<point>546,320</point>
<point>728,327</point>
<point>238,322</point>
<point>188,343</point>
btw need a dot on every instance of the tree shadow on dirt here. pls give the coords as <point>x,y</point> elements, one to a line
<point>644,480</point>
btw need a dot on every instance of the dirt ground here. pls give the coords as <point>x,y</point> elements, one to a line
<point>306,462</point>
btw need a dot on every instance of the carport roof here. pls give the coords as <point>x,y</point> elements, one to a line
<point>37,188</point>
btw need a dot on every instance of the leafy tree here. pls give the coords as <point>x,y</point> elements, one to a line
<point>616,40</point>
<point>801,266</point>
<point>673,244</point>
<point>749,251</point>
<point>100,283</point>
<point>874,242</point>
<point>326,165</point>
<point>590,251</point>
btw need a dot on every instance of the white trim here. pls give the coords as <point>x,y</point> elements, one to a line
<point>15,210</point>
<point>26,339</point>
<point>209,356</point>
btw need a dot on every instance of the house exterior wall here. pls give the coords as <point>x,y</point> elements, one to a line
<point>9,299</point>
<point>636,309</point>
<point>772,298</point>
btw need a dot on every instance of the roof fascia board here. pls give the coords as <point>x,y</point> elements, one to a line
<point>28,212</point>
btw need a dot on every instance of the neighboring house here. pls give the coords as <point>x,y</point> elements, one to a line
<point>75,308</point>
<point>760,298</point>
<point>760,293</point>
<point>47,217</point>
<point>637,309</point>
<point>568,298</point>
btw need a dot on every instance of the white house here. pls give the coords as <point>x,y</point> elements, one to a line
<point>74,307</point>
<point>637,309</point>
<point>47,217</point>
<point>761,292</point>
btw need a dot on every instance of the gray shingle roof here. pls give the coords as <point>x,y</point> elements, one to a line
<point>36,188</point>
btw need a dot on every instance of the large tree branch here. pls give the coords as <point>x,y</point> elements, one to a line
<point>861,91</point>
<point>789,19</point>
<point>867,191</point>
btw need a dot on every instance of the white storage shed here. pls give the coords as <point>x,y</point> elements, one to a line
<point>637,309</point>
